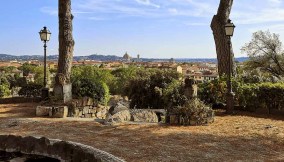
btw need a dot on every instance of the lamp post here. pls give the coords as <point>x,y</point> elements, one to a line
<point>45,37</point>
<point>229,29</point>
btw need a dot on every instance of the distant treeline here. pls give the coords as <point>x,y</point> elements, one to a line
<point>7,57</point>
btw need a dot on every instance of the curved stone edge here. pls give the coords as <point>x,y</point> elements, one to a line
<point>54,148</point>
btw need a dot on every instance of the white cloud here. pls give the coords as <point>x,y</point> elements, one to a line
<point>147,3</point>
<point>244,12</point>
<point>49,10</point>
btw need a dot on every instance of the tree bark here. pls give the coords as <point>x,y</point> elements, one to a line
<point>63,86</point>
<point>223,48</point>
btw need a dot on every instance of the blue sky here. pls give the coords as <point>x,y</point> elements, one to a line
<point>151,28</point>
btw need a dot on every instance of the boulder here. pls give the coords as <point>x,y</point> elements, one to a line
<point>119,117</point>
<point>59,112</point>
<point>142,115</point>
<point>119,106</point>
<point>42,110</point>
<point>101,111</point>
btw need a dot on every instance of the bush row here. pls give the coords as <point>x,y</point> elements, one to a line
<point>250,96</point>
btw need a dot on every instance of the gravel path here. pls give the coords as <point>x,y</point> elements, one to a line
<point>242,137</point>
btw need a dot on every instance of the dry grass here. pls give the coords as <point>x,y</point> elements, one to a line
<point>244,136</point>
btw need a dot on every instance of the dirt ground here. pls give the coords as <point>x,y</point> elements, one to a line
<point>241,137</point>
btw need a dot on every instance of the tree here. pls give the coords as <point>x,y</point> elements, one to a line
<point>27,68</point>
<point>266,53</point>
<point>154,89</point>
<point>63,88</point>
<point>221,40</point>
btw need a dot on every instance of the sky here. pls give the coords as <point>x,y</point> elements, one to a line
<point>151,28</point>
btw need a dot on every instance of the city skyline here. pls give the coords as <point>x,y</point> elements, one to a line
<point>151,28</point>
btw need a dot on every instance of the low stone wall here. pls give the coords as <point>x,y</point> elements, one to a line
<point>61,150</point>
<point>87,108</point>
<point>19,100</point>
<point>78,108</point>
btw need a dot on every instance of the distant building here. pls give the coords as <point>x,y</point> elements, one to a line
<point>126,57</point>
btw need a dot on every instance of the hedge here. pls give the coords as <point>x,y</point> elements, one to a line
<point>250,96</point>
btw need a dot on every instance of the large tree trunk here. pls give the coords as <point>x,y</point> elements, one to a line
<point>63,87</point>
<point>222,42</point>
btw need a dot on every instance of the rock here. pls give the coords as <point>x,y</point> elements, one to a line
<point>80,113</point>
<point>77,112</point>
<point>42,110</point>
<point>93,111</point>
<point>113,100</point>
<point>59,112</point>
<point>101,112</point>
<point>88,115</point>
<point>120,106</point>
<point>119,117</point>
<point>90,102</point>
<point>86,110</point>
<point>140,115</point>
<point>85,100</point>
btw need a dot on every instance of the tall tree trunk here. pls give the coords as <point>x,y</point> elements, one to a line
<point>222,43</point>
<point>63,87</point>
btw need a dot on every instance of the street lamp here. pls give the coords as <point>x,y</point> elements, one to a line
<point>229,29</point>
<point>45,37</point>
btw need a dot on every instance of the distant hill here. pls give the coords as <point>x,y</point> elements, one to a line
<point>7,57</point>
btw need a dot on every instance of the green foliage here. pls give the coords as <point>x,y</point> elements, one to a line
<point>249,95</point>
<point>7,69</point>
<point>265,53</point>
<point>27,68</point>
<point>4,90</point>
<point>31,90</point>
<point>213,92</point>
<point>121,79</point>
<point>268,95</point>
<point>39,75</point>
<point>174,94</point>
<point>194,110</point>
<point>91,88</point>
<point>153,89</point>
<point>89,81</point>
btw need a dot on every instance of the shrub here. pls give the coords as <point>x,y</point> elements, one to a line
<point>213,92</point>
<point>250,96</point>
<point>272,95</point>
<point>152,88</point>
<point>4,90</point>
<point>91,88</point>
<point>31,90</point>
<point>194,112</point>
<point>89,81</point>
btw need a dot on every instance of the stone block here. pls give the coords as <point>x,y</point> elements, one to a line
<point>59,112</point>
<point>42,110</point>
<point>86,110</point>
<point>140,115</point>
<point>77,112</point>
<point>88,115</point>
<point>85,101</point>
<point>90,101</point>
<point>63,90</point>
<point>93,111</point>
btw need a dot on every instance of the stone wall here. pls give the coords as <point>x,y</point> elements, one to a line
<point>78,108</point>
<point>61,150</point>
<point>87,108</point>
